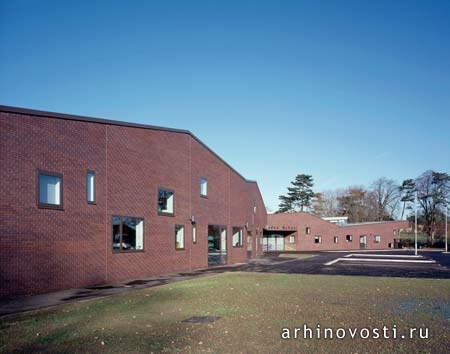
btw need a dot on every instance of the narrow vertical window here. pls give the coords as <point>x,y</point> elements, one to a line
<point>203,187</point>
<point>90,187</point>
<point>194,233</point>
<point>237,237</point>
<point>336,239</point>
<point>179,237</point>
<point>49,190</point>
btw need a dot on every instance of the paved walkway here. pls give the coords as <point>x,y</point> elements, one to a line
<point>271,263</point>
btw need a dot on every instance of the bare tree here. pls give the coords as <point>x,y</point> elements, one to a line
<point>353,204</point>
<point>386,197</point>
<point>433,192</point>
<point>329,201</point>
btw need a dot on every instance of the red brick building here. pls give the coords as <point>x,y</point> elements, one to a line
<point>87,201</point>
<point>307,232</point>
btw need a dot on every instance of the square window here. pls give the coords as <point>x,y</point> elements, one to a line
<point>128,233</point>
<point>179,237</point>
<point>203,187</point>
<point>349,238</point>
<point>308,230</point>
<point>237,236</point>
<point>49,190</point>
<point>291,239</point>
<point>336,239</point>
<point>377,239</point>
<point>165,202</point>
<point>318,239</point>
<point>90,187</point>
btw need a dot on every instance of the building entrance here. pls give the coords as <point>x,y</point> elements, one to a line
<point>217,245</point>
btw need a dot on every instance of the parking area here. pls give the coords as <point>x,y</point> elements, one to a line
<point>398,263</point>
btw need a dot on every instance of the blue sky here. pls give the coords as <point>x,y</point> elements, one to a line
<point>347,91</point>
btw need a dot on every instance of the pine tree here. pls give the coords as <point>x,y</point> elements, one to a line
<point>299,197</point>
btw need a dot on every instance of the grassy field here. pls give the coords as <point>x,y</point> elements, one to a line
<point>253,309</point>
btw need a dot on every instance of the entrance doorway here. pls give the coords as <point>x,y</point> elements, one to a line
<point>273,242</point>
<point>363,242</point>
<point>217,245</point>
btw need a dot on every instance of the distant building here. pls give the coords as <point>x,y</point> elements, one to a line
<point>337,220</point>
<point>306,232</point>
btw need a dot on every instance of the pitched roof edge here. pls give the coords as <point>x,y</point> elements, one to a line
<point>48,114</point>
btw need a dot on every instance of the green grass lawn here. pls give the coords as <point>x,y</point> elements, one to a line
<point>253,309</point>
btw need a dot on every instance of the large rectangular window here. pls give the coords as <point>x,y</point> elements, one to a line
<point>50,190</point>
<point>179,237</point>
<point>376,238</point>
<point>90,187</point>
<point>165,202</point>
<point>237,236</point>
<point>203,187</point>
<point>128,233</point>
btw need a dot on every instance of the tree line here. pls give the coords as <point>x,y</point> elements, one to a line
<point>383,200</point>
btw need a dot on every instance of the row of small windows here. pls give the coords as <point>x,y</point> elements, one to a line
<point>128,234</point>
<point>50,192</point>
<point>50,189</point>
<point>348,238</point>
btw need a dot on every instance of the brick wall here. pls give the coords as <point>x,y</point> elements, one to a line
<point>327,231</point>
<point>44,250</point>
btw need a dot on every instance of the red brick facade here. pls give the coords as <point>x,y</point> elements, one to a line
<point>304,228</point>
<point>44,249</point>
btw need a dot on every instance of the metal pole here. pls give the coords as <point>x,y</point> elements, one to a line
<point>446,229</point>
<point>415,229</point>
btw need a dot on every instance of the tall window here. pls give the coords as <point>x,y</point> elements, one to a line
<point>128,233</point>
<point>194,233</point>
<point>50,192</point>
<point>90,187</point>
<point>237,236</point>
<point>165,202</point>
<point>291,239</point>
<point>179,237</point>
<point>336,239</point>
<point>308,230</point>
<point>203,187</point>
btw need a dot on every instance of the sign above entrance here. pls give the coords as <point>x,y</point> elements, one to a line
<point>281,228</point>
